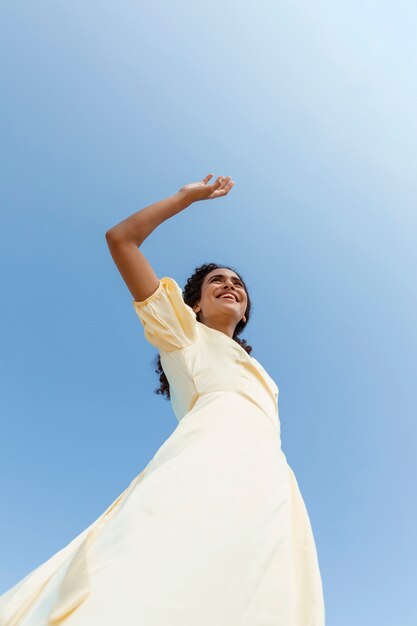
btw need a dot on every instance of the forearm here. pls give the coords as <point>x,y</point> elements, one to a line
<point>138,226</point>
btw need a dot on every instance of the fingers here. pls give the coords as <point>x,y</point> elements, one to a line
<point>222,181</point>
<point>226,184</point>
<point>219,179</point>
<point>222,184</point>
<point>225,181</point>
<point>226,187</point>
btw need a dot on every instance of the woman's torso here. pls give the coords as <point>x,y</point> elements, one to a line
<point>216,363</point>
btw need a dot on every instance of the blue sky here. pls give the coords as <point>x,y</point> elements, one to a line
<point>310,107</point>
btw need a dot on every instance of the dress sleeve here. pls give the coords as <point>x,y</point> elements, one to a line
<point>169,324</point>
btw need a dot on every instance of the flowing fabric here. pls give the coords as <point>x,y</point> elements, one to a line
<point>214,530</point>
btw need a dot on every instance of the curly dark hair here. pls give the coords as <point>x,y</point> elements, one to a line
<point>191,295</point>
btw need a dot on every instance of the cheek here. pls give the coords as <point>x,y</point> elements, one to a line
<point>207,297</point>
<point>209,294</point>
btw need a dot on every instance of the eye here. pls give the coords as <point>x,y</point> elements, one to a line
<point>217,278</point>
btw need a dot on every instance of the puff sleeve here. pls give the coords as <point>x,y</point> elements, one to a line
<point>169,324</point>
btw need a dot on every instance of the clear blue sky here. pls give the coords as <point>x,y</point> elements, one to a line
<point>311,108</point>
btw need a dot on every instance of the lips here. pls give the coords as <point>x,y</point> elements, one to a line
<point>228,296</point>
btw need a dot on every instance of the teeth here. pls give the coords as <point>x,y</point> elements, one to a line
<point>228,296</point>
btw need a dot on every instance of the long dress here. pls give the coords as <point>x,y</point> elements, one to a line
<point>214,530</point>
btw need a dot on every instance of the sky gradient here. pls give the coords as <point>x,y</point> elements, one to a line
<point>311,108</point>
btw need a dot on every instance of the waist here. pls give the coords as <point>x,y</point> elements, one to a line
<point>234,402</point>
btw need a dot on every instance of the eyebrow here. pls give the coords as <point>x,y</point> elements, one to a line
<point>223,275</point>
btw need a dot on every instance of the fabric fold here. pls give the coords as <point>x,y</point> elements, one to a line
<point>76,584</point>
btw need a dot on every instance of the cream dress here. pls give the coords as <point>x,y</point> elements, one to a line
<point>214,531</point>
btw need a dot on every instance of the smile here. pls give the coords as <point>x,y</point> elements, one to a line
<point>228,296</point>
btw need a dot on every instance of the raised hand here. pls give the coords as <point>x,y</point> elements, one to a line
<point>203,191</point>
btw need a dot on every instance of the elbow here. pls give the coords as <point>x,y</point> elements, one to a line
<point>119,234</point>
<point>111,235</point>
<point>116,237</point>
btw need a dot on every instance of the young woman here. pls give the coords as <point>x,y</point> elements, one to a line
<point>214,530</point>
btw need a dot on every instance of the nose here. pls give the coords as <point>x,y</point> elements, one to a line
<point>230,282</point>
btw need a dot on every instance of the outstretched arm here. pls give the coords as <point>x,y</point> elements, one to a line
<point>125,238</point>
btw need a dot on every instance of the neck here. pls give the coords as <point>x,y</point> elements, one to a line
<point>225,328</point>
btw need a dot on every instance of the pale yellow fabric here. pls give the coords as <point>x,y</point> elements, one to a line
<point>214,530</point>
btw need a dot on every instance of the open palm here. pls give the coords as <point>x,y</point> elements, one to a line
<point>203,191</point>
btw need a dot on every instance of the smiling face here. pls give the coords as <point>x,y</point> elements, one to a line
<point>223,300</point>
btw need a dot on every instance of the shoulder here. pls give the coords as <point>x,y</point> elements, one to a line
<point>169,323</point>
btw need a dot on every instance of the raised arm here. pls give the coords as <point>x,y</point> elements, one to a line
<point>125,238</point>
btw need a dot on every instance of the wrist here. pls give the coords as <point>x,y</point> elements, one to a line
<point>184,197</point>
